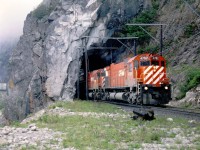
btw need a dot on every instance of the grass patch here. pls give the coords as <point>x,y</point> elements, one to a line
<point>107,132</point>
<point>87,131</point>
<point>197,143</point>
<point>178,141</point>
<point>29,148</point>
<point>88,106</point>
<point>172,135</point>
<point>135,146</point>
<point>17,124</point>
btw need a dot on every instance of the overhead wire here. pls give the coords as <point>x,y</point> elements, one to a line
<point>149,34</point>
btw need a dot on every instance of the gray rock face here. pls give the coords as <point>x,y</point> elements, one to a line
<point>192,98</point>
<point>3,121</point>
<point>45,62</point>
<point>182,50</point>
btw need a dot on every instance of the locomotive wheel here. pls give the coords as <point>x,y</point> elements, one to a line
<point>103,96</point>
<point>139,101</point>
<point>132,101</point>
<point>95,97</point>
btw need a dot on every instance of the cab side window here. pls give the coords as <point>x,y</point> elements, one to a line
<point>103,74</point>
<point>136,64</point>
<point>130,67</point>
<point>145,63</point>
<point>98,74</point>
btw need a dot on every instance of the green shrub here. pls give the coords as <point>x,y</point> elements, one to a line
<point>151,48</point>
<point>190,29</point>
<point>155,4</point>
<point>41,11</point>
<point>1,102</point>
<point>44,10</point>
<point>192,80</point>
<point>191,1</point>
<point>178,3</point>
<point>148,16</point>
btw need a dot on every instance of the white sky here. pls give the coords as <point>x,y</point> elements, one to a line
<point>12,16</point>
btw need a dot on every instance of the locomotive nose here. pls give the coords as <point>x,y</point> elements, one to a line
<point>154,68</point>
<point>153,75</point>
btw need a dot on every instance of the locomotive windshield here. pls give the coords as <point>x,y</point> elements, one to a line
<point>145,63</point>
<point>155,63</point>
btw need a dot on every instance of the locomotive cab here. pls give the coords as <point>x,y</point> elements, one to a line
<point>151,79</point>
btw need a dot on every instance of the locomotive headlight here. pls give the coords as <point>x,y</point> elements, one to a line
<point>166,88</point>
<point>146,88</point>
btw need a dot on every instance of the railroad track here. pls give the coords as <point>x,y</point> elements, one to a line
<point>161,110</point>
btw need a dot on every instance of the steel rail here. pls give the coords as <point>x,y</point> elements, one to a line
<point>174,111</point>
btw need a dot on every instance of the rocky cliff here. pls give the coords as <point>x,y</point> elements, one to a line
<point>45,61</point>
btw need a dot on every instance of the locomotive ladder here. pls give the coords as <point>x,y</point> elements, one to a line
<point>138,99</point>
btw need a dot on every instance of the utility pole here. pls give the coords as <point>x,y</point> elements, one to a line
<point>135,50</point>
<point>161,39</point>
<point>86,67</point>
<point>78,80</point>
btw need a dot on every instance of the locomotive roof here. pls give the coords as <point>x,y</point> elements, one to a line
<point>145,54</point>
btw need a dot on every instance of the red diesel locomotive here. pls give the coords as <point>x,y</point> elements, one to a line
<point>141,79</point>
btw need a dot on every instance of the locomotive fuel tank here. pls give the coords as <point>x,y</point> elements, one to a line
<point>118,96</point>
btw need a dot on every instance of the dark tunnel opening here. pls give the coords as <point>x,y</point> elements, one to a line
<point>98,58</point>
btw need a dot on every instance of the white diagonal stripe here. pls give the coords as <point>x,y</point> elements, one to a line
<point>150,80</point>
<point>146,70</point>
<point>158,72</point>
<point>148,75</point>
<point>160,77</point>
